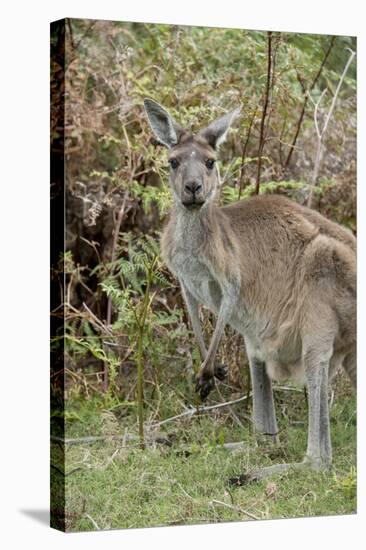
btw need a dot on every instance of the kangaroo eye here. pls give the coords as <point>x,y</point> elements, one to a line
<point>174,163</point>
<point>210,163</point>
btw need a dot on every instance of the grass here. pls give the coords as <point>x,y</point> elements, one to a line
<point>108,486</point>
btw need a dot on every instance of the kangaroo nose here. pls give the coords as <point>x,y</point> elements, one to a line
<point>193,187</point>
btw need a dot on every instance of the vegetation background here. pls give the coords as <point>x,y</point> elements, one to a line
<point>140,450</point>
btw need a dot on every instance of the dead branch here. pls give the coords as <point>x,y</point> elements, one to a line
<point>95,525</point>
<point>232,413</point>
<point>97,321</point>
<point>243,155</point>
<point>152,440</point>
<point>200,410</point>
<point>306,98</point>
<point>90,439</point>
<point>113,257</point>
<point>235,508</point>
<point>321,132</point>
<point>114,249</point>
<point>264,112</point>
<point>65,474</point>
<point>234,446</point>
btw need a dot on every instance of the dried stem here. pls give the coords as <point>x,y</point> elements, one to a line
<point>235,508</point>
<point>321,132</point>
<point>264,112</point>
<point>193,411</point>
<point>243,155</point>
<point>113,257</point>
<point>114,249</point>
<point>95,319</point>
<point>306,98</point>
<point>92,521</point>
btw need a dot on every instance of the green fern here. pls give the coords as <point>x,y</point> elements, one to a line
<point>151,195</point>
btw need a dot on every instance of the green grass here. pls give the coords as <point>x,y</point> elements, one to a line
<point>117,487</point>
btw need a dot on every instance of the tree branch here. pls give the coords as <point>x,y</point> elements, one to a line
<point>243,155</point>
<point>194,411</point>
<point>235,508</point>
<point>303,110</point>
<point>321,132</point>
<point>264,112</point>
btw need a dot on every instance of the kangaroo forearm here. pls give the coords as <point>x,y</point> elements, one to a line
<point>222,320</point>
<point>193,312</point>
<point>196,326</point>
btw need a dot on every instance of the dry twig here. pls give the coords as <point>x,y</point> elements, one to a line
<point>95,525</point>
<point>235,508</point>
<point>193,411</point>
<point>320,132</point>
<point>303,110</point>
<point>264,112</point>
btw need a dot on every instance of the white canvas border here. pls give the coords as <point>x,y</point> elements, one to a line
<point>24,235</point>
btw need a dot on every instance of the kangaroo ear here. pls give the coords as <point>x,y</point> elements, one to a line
<point>216,132</point>
<point>164,127</point>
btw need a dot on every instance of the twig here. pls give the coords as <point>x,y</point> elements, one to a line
<point>280,139</point>
<point>232,413</point>
<point>264,113</point>
<point>235,445</point>
<point>235,508</point>
<point>109,460</point>
<point>193,411</point>
<point>185,492</point>
<point>113,255</point>
<point>76,46</point>
<point>316,108</point>
<point>126,355</point>
<point>89,28</point>
<point>321,132</point>
<point>82,380</point>
<point>152,440</point>
<point>68,22</point>
<point>97,321</point>
<point>114,247</point>
<point>243,155</point>
<point>90,439</point>
<point>65,474</point>
<point>337,90</point>
<point>350,418</point>
<point>272,85</point>
<point>95,525</point>
<point>331,399</point>
<point>303,110</point>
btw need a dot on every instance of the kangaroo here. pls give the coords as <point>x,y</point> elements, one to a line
<point>279,273</point>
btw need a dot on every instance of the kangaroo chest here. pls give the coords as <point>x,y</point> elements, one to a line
<point>196,276</point>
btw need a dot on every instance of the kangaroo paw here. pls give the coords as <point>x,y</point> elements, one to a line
<point>220,371</point>
<point>204,385</point>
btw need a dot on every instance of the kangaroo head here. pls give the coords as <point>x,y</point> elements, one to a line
<point>194,176</point>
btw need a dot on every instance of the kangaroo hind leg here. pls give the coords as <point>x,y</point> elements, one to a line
<point>264,415</point>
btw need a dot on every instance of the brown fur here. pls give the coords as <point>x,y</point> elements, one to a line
<point>289,258</point>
